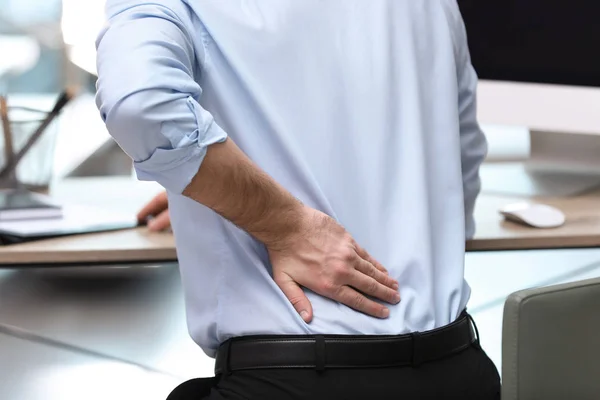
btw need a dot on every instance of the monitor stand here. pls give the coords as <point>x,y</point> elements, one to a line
<point>559,164</point>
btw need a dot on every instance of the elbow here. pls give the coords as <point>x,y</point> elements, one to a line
<point>130,121</point>
<point>122,110</point>
<point>112,107</point>
<point>121,107</point>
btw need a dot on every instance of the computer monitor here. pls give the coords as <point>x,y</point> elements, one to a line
<point>540,41</point>
<point>549,48</point>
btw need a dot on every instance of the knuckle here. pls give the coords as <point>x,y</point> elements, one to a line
<point>340,271</point>
<point>348,255</point>
<point>295,300</point>
<point>358,301</point>
<point>328,287</point>
<point>372,287</point>
<point>372,272</point>
<point>390,296</point>
<point>382,278</point>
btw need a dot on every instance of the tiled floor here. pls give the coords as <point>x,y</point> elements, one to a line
<point>72,339</point>
<point>32,371</point>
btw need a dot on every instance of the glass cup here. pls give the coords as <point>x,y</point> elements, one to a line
<point>35,169</point>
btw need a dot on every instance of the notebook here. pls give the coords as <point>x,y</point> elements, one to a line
<point>76,219</point>
<point>24,205</point>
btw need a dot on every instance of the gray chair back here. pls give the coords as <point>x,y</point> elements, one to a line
<point>551,343</point>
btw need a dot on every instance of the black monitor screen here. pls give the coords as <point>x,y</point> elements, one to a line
<point>541,41</point>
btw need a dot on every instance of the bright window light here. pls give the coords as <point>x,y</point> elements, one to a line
<point>81,22</point>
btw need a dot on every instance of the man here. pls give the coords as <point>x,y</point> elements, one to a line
<point>301,143</point>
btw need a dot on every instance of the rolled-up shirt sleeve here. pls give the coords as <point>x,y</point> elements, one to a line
<point>147,94</point>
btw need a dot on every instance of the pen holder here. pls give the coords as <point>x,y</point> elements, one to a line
<point>35,170</point>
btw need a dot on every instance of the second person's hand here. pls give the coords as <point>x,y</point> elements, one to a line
<point>156,213</point>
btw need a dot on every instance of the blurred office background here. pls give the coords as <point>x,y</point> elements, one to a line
<point>63,32</point>
<point>109,324</point>
<point>30,21</point>
<point>48,46</point>
<point>54,41</point>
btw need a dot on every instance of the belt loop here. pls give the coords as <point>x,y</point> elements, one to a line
<point>477,341</point>
<point>416,349</point>
<point>320,355</point>
<point>227,358</point>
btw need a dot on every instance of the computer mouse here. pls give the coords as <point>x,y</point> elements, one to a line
<point>534,215</point>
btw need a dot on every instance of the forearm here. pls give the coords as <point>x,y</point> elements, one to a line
<point>229,183</point>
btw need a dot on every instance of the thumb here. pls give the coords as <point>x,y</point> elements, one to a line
<point>297,297</point>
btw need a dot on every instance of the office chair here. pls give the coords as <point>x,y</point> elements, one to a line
<point>551,343</point>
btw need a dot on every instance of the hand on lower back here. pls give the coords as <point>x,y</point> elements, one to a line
<point>324,258</point>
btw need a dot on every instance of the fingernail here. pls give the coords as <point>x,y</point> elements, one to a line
<point>385,313</point>
<point>304,315</point>
<point>397,298</point>
<point>395,286</point>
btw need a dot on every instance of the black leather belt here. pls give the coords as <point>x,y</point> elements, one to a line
<point>344,351</point>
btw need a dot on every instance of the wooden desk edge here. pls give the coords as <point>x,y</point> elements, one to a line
<point>88,257</point>
<point>532,243</point>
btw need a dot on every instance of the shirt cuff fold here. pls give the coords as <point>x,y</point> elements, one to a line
<point>174,168</point>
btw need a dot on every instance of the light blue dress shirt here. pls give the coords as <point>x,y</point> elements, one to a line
<point>362,109</point>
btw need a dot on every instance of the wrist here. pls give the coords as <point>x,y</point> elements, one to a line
<point>282,225</point>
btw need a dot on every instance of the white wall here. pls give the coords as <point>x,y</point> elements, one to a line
<point>541,107</point>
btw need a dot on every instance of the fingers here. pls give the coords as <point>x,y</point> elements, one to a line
<point>161,222</point>
<point>371,271</point>
<point>296,296</point>
<point>366,256</point>
<point>353,299</point>
<point>372,287</point>
<point>158,204</point>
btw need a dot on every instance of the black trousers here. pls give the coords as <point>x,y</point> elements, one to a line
<point>466,375</point>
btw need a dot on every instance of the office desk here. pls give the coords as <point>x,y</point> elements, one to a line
<point>582,228</point>
<point>126,246</point>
